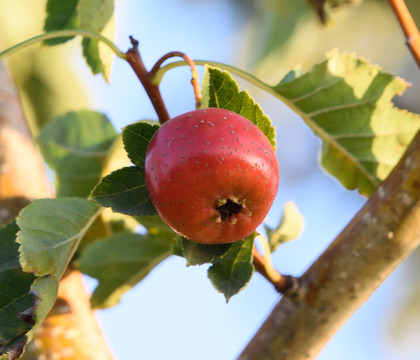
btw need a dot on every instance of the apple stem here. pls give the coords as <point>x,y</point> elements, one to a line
<point>284,284</point>
<point>152,90</point>
<point>195,81</point>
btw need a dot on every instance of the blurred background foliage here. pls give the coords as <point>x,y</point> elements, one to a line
<point>281,35</point>
<point>275,36</point>
<point>47,81</point>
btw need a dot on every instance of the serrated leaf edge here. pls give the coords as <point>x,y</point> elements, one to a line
<point>242,93</point>
<point>329,140</point>
<point>219,259</point>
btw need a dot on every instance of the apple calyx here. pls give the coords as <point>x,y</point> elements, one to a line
<point>228,209</point>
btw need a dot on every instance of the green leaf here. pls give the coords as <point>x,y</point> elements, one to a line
<point>50,231</point>
<point>232,272</point>
<point>125,191</point>
<point>107,224</point>
<point>199,254</point>
<point>94,15</point>
<point>45,288</point>
<point>220,90</point>
<point>347,103</point>
<point>136,139</point>
<point>289,228</point>
<point>25,300</point>
<point>178,248</point>
<point>16,301</point>
<point>14,349</point>
<point>92,56</point>
<point>120,262</point>
<point>76,146</point>
<point>291,75</point>
<point>61,15</point>
<point>44,293</point>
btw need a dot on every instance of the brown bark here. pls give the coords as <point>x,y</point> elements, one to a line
<point>70,331</point>
<point>134,59</point>
<point>382,234</point>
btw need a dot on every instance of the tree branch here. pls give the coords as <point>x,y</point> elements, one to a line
<point>382,234</point>
<point>408,26</point>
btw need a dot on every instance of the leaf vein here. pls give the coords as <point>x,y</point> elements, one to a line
<point>343,106</point>
<point>317,90</point>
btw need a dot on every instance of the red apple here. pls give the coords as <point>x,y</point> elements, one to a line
<point>212,175</point>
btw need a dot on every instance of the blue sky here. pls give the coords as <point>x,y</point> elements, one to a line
<point>175,313</point>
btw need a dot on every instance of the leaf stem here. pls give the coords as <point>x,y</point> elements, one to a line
<point>274,274</point>
<point>62,33</point>
<point>152,90</point>
<point>234,70</point>
<point>77,238</point>
<point>252,79</point>
<point>195,81</point>
<point>408,26</point>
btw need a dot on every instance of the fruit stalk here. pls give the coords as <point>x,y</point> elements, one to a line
<point>195,81</point>
<point>134,59</point>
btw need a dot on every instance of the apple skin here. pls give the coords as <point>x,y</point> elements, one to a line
<point>212,175</point>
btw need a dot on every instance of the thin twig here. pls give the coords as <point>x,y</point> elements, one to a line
<point>408,26</point>
<point>194,79</point>
<point>152,90</point>
<point>282,283</point>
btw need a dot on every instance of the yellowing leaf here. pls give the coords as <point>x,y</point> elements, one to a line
<point>347,102</point>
